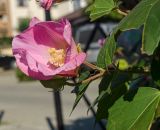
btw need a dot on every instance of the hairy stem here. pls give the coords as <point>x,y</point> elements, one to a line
<point>92,66</point>
<point>122,12</point>
<point>93,77</point>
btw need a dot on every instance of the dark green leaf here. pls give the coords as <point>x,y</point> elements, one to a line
<point>103,89</point>
<point>84,76</point>
<point>57,83</point>
<point>111,88</point>
<point>145,13</point>
<point>151,32</point>
<point>81,88</point>
<point>135,115</point>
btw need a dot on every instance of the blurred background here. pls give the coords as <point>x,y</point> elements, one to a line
<point>25,104</point>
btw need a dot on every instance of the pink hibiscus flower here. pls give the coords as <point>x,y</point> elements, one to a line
<point>47,49</point>
<point>46,4</point>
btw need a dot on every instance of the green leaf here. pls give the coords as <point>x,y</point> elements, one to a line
<point>84,76</point>
<point>157,115</point>
<point>103,91</point>
<point>81,88</point>
<point>100,8</point>
<point>151,32</point>
<point>103,99</point>
<point>57,83</point>
<point>145,13</point>
<point>135,115</point>
<point>106,53</point>
<point>111,88</point>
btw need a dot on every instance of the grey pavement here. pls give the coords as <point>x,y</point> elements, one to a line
<point>28,104</point>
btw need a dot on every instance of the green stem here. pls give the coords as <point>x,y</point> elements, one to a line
<point>122,12</point>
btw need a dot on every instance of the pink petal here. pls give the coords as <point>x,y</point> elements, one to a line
<point>67,33</point>
<point>28,65</point>
<point>34,21</point>
<point>72,51</point>
<point>46,4</point>
<point>62,27</point>
<point>47,33</point>
<point>71,65</point>
<point>26,42</point>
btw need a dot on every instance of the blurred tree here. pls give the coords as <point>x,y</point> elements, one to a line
<point>23,24</point>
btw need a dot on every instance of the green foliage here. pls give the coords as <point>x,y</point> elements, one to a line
<point>5,42</point>
<point>114,15</point>
<point>23,24</point>
<point>100,8</point>
<point>106,53</point>
<point>57,83</point>
<point>81,88</point>
<point>139,109</point>
<point>111,88</point>
<point>135,115</point>
<point>145,13</point>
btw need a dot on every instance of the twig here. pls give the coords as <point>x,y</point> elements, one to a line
<point>70,84</point>
<point>122,12</point>
<point>92,66</point>
<point>93,77</point>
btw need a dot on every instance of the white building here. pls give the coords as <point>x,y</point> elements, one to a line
<point>12,12</point>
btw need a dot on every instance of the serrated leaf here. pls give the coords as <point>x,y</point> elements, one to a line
<point>100,8</point>
<point>56,83</point>
<point>145,13</point>
<point>103,89</point>
<point>81,88</point>
<point>106,53</point>
<point>135,115</point>
<point>110,89</point>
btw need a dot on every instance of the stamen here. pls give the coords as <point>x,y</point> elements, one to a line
<point>57,57</point>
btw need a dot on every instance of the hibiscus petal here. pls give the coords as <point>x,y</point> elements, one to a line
<point>71,65</point>
<point>61,27</point>
<point>67,33</point>
<point>34,21</point>
<point>26,42</point>
<point>44,34</point>
<point>71,51</point>
<point>28,65</point>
